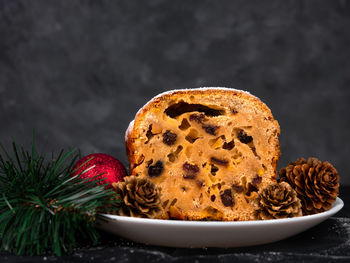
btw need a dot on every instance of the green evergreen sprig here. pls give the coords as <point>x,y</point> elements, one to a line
<point>43,208</point>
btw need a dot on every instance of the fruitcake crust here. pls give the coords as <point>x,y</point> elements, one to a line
<point>209,150</point>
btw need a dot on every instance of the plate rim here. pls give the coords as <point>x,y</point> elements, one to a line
<point>336,207</point>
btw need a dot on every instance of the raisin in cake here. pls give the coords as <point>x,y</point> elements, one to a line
<point>209,150</point>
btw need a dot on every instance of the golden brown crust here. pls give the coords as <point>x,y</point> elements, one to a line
<point>215,97</point>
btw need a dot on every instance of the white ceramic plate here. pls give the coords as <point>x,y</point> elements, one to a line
<point>211,234</point>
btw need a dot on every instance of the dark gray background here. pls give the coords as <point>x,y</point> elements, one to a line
<point>77,71</point>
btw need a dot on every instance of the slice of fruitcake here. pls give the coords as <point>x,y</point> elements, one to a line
<point>209,150</point>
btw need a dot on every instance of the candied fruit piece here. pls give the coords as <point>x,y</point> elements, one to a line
<point>228,145</point>
<point>251,188</point>
<point>210,129</point>
<point>169,138</point>
<point>184,124</point>
<point>244,137</point>
<point>156,169</point>
<point>217,143</point>
<point>175,213</point>
<point>190,170</point>
<point>213,169</point>
<point>227,198</point>
<point>219,161</point>
<point>156,128</point>
<point>197,117</point>
<point>256,180</point>
<point>192,136</point>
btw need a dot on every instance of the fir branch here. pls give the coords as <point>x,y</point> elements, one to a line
<point>43,208</point>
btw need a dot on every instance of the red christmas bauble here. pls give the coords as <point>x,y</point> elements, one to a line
<point>100,164</point>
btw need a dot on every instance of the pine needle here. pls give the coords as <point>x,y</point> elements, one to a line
<point>43,207</point>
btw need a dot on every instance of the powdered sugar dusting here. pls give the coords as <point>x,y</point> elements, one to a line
<point>129,129</point>
<point>201,88</point>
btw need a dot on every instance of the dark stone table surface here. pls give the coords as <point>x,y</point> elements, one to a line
<point>326,242</point>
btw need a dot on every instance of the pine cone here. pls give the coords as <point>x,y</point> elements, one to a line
<point>277,200</point>
<point>140,197</point>
<point>316,182</point>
